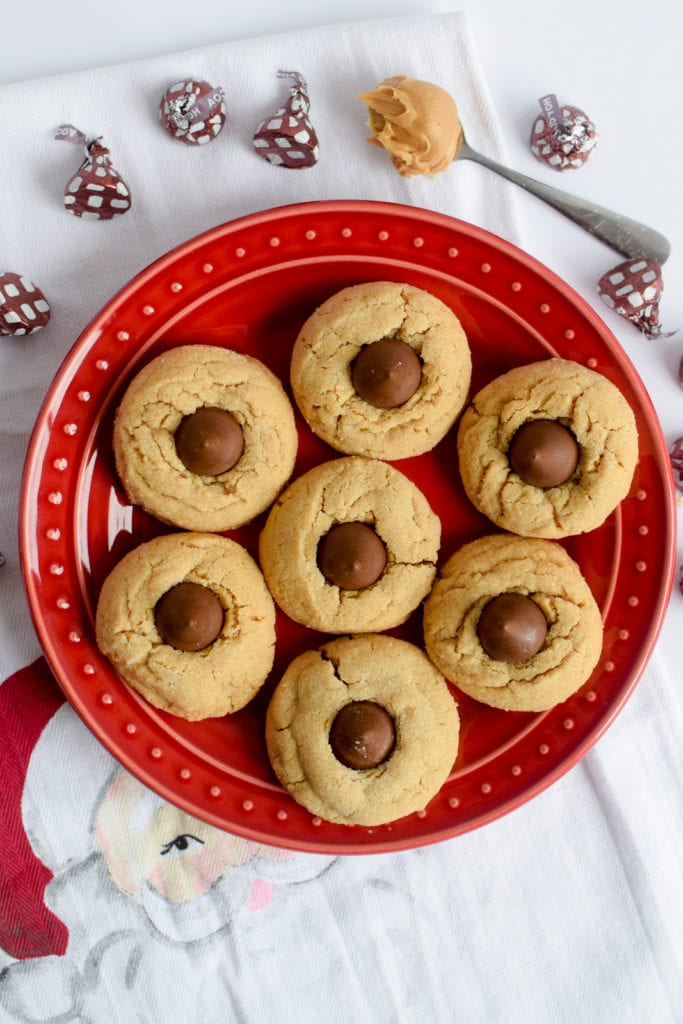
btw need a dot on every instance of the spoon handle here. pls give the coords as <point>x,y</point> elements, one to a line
<point>629,237</point>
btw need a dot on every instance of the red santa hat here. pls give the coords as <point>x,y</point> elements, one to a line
<point>28,699</point>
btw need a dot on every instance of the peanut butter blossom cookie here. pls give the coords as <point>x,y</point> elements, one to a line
<point>350,546</point>
<point>204,438</point>
<point>381,369</point>
<point>548,449</point>
<point>362,731</point>
<point>512,623</point>
<point>186,619</point>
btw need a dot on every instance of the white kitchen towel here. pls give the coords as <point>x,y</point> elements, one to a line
<point>566,910</point>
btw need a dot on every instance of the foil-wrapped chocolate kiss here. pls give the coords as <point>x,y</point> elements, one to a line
<point>633,289</point>
<point>96,191</point>
<point>287,138</point>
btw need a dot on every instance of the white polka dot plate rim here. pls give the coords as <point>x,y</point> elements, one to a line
<point>249,284</point>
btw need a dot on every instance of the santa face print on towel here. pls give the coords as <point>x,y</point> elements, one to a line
<point>141,912</point>
<point>113,873</point>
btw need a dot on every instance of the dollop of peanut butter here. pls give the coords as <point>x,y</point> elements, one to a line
<point>416,122</point>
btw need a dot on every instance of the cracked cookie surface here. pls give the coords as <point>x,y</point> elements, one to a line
<point>333,336</point>
<point>387,671</point>
<point>580,399</point>
<point>540,569</point>
<point>194,685</point>
<point>343,490</point>
<point>176,384</point>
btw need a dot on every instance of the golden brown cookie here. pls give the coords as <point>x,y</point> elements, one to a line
<point>158,404</point>
<point>340,331</point>
<point>302,721</point>
<point>535,569</point>
<point>589,407</point>
<point>192,682</point>
<point>344,491</point>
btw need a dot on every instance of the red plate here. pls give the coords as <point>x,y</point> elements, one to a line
<point>249,285</point>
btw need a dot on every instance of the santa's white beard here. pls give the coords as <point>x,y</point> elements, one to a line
<point>320,942</point>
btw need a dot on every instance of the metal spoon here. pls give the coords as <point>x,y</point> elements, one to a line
<point>631,239</point>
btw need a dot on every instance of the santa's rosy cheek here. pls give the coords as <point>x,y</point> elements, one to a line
<point>187,877</point>
<point>260,894</point>
<point>156,879</point>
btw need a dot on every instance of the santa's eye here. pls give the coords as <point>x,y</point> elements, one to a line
<point>180,843</point>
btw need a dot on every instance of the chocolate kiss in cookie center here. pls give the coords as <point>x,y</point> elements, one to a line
<point>189,616</point>
<point>512,628</point>
<point>386,373</point>
<point>351,556</point>
<point>362,734</point>
<point>209,441</point>
<point>544,453</point>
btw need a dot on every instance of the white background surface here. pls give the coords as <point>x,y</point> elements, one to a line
<point>620,62</point>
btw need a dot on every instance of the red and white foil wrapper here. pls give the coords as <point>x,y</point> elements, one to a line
<point>97,191</point>
<point>288,139</point>
<point>562,136</point>
<point>193,112</point>
<point>23,307</point>
<point>633,290</point>
<point>676,458</point>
